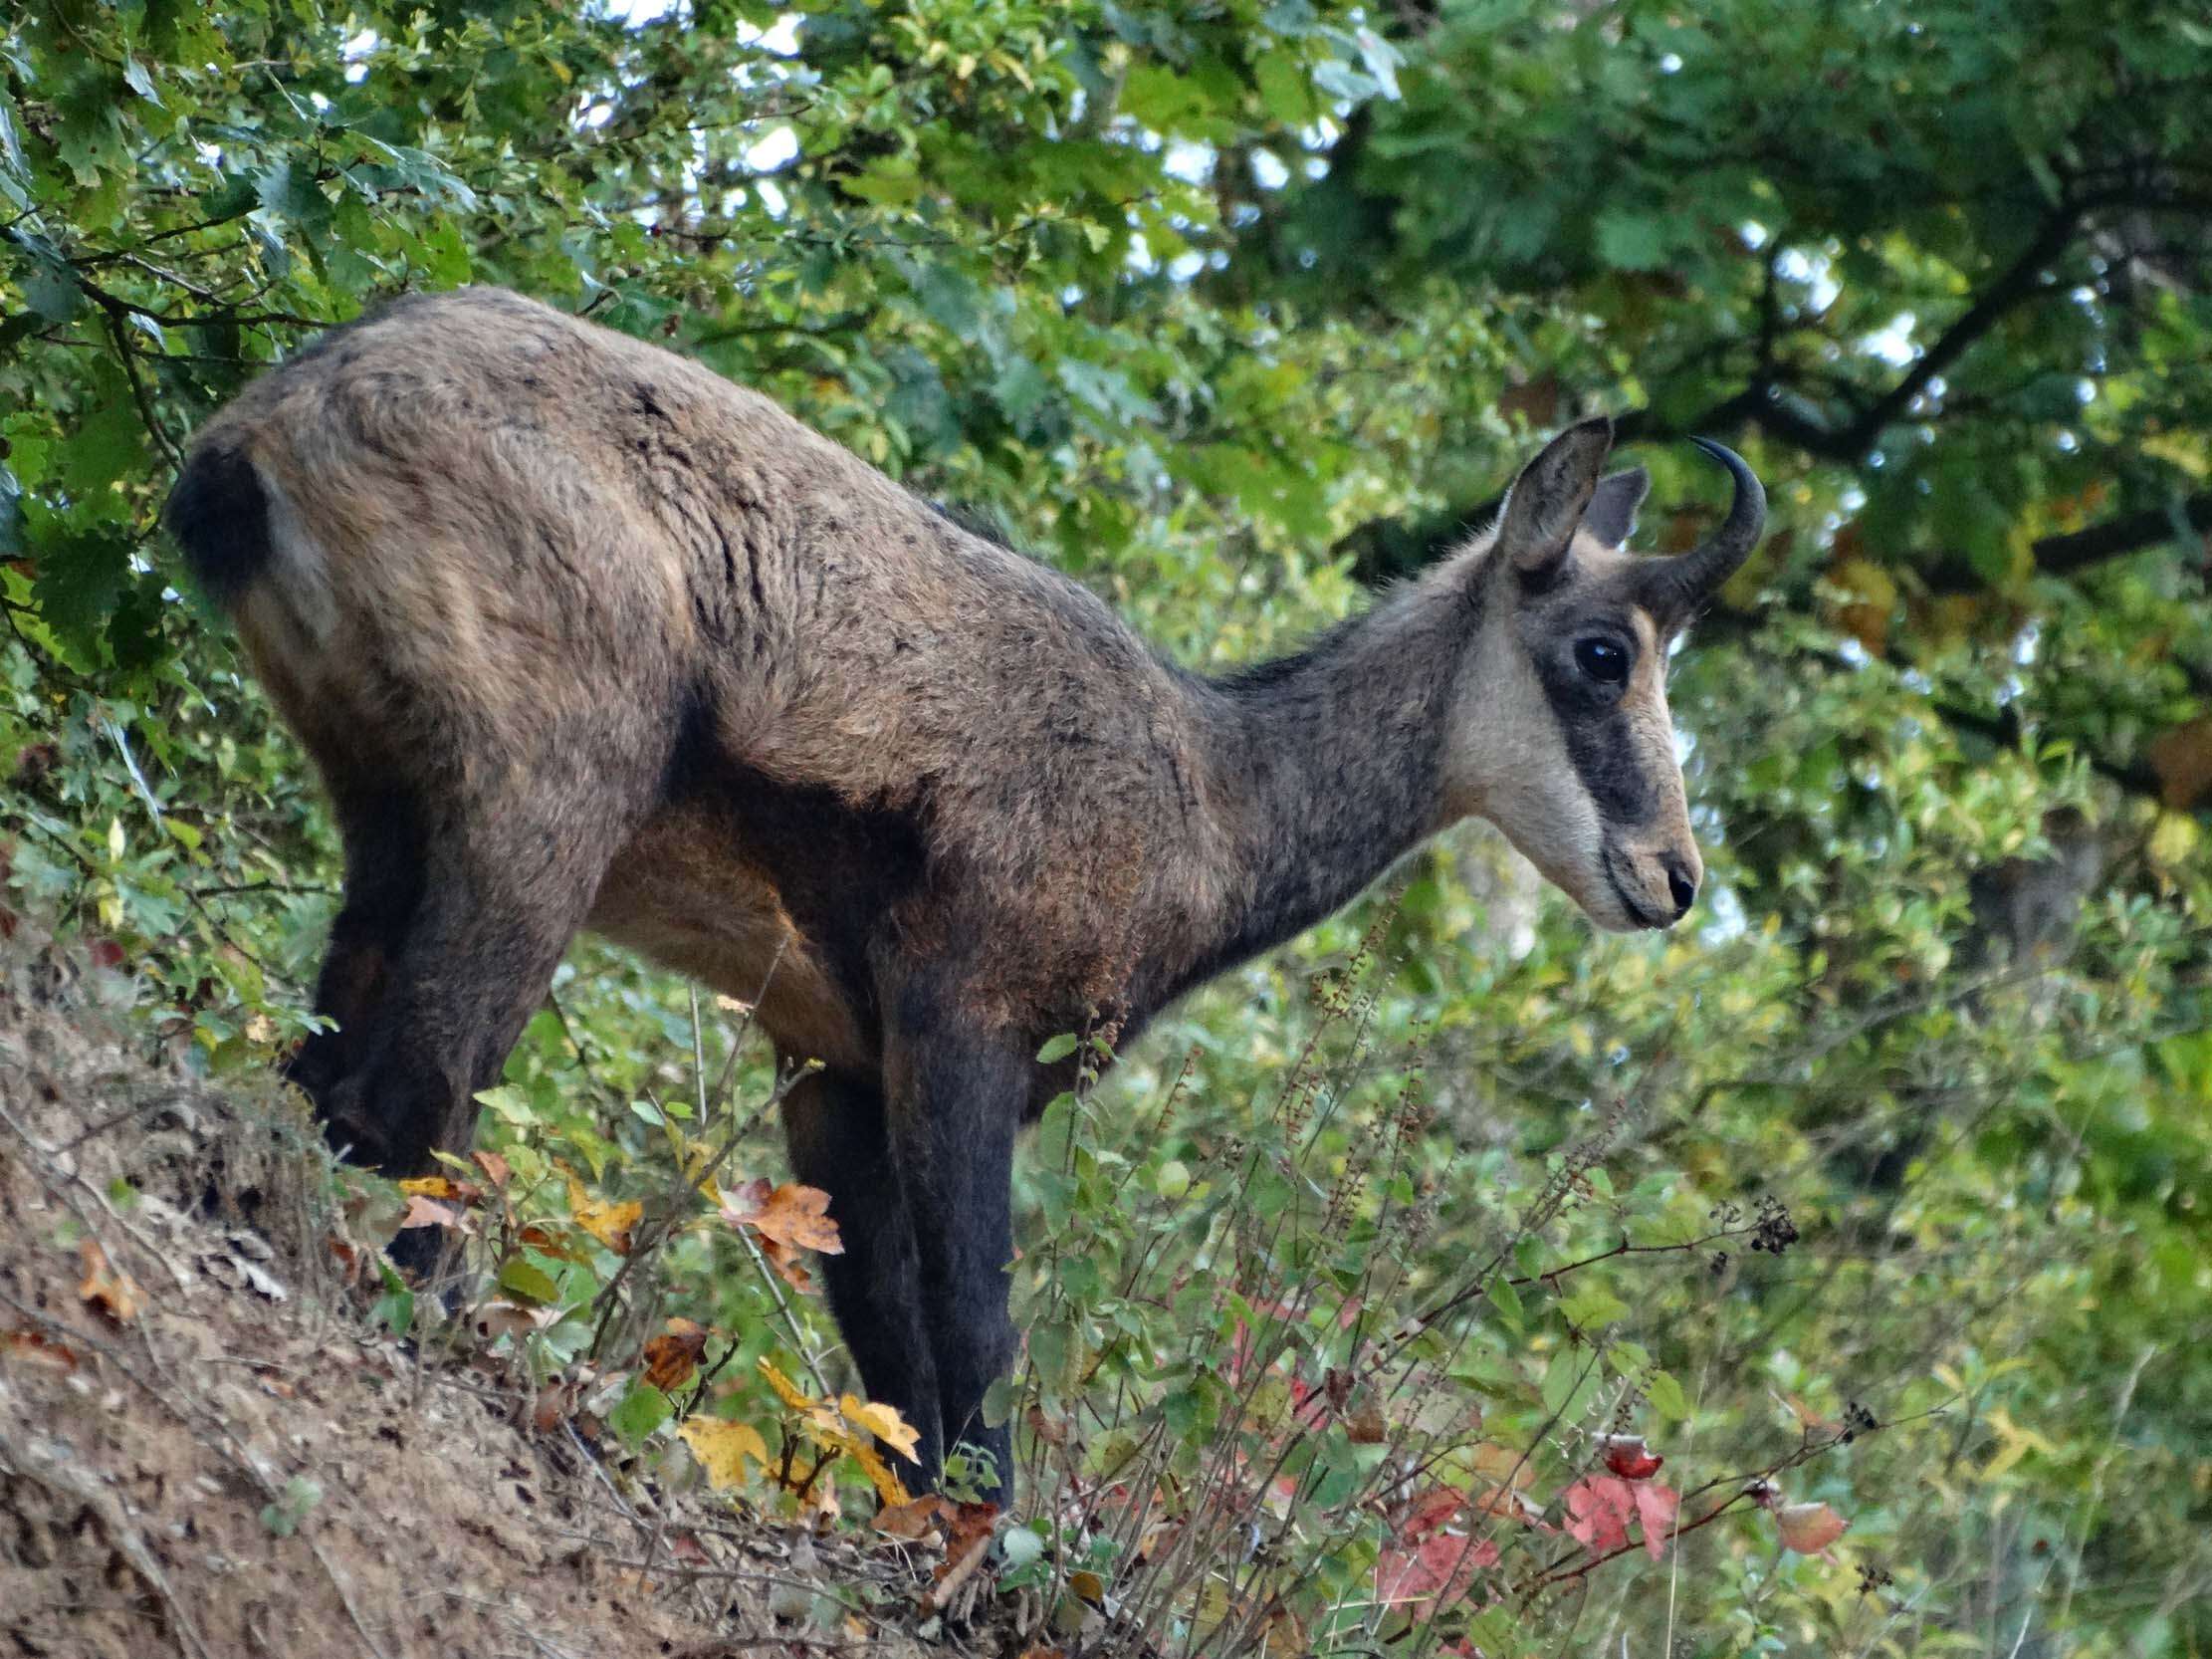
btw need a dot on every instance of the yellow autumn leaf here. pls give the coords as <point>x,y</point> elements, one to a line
<point>722,1447</point>
<point>888,1486</point>
<point>429,1186</point>
<point>786,1390</point>
<point>610,1224</point>
<point>884,1422</point>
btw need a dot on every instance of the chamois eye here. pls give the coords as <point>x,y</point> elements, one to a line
<point>1602,659</point>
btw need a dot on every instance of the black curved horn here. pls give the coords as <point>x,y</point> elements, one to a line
<point>1683,583</point>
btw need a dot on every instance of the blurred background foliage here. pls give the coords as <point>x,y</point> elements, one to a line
<point>1231,311</point>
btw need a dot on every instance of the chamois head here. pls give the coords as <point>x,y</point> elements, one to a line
<point>1561,735</point>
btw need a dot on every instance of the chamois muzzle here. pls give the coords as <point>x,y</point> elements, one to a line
<point>1673,587</point>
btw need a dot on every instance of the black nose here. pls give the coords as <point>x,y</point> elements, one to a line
<point>1679,883</point>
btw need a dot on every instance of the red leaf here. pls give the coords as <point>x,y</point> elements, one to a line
<point>1808,1528</point>
<point>1657,1506</point>
<point>1600,1508</point>
<point>1429,1511</point>
<point>1598,1512</point>
<point>1440,1566</point>
<point>1628,1457</point>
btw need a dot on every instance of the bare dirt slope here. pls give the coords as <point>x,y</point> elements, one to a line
<point>207,1448</point>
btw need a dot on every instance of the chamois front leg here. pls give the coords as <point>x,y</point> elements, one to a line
<point>954,1090</point>
<point>834,1124</point>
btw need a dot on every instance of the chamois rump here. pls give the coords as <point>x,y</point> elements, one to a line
<point>582,636</point>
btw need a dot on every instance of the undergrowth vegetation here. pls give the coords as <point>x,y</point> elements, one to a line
<point>1831,1275</point>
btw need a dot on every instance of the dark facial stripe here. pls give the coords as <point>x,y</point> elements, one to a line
<point>1603,748</point>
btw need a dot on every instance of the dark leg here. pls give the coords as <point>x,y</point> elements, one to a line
<point>838,1141</point>
<point>510,866</point>
<point>383,840</point>
<point>956,1094</point>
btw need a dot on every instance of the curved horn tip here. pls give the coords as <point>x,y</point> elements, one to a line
<point>1724,454</point>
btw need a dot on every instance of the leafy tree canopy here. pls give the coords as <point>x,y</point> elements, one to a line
<point>1886,1181</point>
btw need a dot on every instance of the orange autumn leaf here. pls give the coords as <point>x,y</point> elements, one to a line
<point>39,1350</point>
<point>784,1219</point>
<point>1808,1529</point>
<point>790,1214</point>
<point>929,1517</point>
<point>972,1528</point>
<point>107,1286</point>
<point>672,1359</point>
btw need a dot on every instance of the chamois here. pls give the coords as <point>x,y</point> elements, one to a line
<point>582,636</point>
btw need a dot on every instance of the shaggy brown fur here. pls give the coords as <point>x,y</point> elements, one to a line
<point>582,636</point>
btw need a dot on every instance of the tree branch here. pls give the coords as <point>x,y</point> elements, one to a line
<point>2077,550</point>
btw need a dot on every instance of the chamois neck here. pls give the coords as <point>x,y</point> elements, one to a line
<point>1329,762</point>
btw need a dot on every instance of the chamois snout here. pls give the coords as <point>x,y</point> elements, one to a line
<point>1656,888</point>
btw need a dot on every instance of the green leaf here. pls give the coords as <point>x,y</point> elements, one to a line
<point>528,1281</point>
<point>639,1412</point>
<point>1058,1048</point>
<point>1632,241</point>
<point>1507,1301</point>
<point>1593,1307</point>
<point>891,182</point>
<point>1666,1394</point>
<point>79,581</point>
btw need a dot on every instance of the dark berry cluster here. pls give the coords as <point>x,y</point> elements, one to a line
<point>1773,1231</point>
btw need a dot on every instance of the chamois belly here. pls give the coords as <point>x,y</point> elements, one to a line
<point>683,896</point>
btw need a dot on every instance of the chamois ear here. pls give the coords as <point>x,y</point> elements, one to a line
<point>1612,503</point>
<point>1547,501</point>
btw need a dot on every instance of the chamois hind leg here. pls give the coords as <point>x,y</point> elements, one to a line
<point>382,832</point>
<point>955,1099</point>
<point>834,1124</point>
<point>510,864</point>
